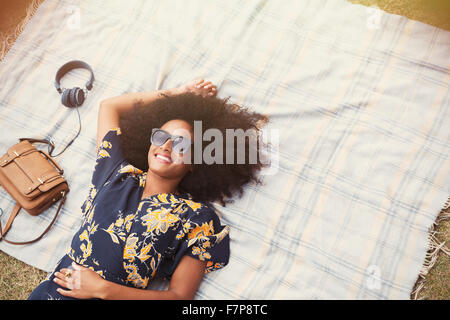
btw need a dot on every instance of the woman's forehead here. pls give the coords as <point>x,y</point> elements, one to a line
<point>178,127</point>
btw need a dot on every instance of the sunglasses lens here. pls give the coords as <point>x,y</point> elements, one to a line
<point>159,137</point>
<point>179,144</point>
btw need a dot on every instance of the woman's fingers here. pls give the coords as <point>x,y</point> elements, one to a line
<point>67,293</point>
<point>204,88</point>
<point>77,266</point>
<point>199,83</point>
<point>212,90</point>
<point>64,274</point>
<point>63,280</point>
<point>67,277</point>
<point>203,84</point>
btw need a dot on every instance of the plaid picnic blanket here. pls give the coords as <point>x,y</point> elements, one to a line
<point>358,98</point>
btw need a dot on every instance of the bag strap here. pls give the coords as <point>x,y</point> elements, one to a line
<point>13,215</point>
<point>51,145</point>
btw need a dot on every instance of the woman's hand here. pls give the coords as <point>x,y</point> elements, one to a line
<point>199,87</point>
<point>83,283</point>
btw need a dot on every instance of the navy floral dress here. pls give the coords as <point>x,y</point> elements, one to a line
<point>129,240</point>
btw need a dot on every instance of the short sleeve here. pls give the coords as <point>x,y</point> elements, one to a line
<point>201,237</point>
<point>108,157</point>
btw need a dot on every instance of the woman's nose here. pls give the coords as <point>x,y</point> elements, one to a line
<point>167,145</point>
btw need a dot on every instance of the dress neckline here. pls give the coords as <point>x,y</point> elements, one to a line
<point>177,196</point>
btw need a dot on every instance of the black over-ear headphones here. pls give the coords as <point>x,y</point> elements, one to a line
<point>74,97</point>
<point>71,98</point>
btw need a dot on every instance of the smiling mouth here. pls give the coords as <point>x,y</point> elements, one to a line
<point>163,159</point>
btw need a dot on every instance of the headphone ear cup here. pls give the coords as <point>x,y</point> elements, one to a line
<point>79,97</point>
<point>72,97</point>
<point>64,97</point>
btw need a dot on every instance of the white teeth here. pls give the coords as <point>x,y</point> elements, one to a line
<point>163,158</point>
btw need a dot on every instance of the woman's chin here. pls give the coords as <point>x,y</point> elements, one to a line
<point>167,171</point>
<point>160,169</point>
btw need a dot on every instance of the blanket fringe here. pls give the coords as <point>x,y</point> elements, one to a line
<point>435,247</point>
<point>7,40</point>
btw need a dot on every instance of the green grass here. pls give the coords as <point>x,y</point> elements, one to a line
<point>17,279</point>
<point>433,12</point>
<point>437,285</point>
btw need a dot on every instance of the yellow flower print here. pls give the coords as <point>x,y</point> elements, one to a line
<point>129,221</point>
<point>142,180</point>
<point>153,202</point>
<point>179,235</point>
<point>114,237</point>
<point>173,200</point>
<point>134,277</point>
<point>153,267</point>
<point>194,205</point>
<point>129,252</point>
<point>143,255</point>
<point>163,198</point>
<point>222,234</point>
<point>92,228</point>
<point>91,214</point>
<point>104,154</point>
<point>106,144</point>
<point>178,208</point>
<point>93,192</point>
<point>159,220</point>
<point>111,233</point>
<point>186,227</point>
<point>196,251</point>
<point>210,266</point>
<point>200,232</point>
<point>201,253</point>
<point>119,222</point>
<point>117,130</point>
<point>206,255</point>
<point>87,206</point>
<point>130,169</point>
<point>140,206</point>
<point>87,250</point>
<point>100,273</point>
<point>84,236</point>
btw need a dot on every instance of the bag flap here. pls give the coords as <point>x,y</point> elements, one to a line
<point>15,151</point>
<point>29,170</point>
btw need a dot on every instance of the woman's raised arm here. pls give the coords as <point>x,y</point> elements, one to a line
<point>111,108</point>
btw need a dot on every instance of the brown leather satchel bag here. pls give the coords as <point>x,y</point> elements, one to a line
<point>33,179</point>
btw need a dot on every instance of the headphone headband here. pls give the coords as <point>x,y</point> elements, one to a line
<point>74,64</point>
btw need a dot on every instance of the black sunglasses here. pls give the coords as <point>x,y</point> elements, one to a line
<point>180,144</point>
